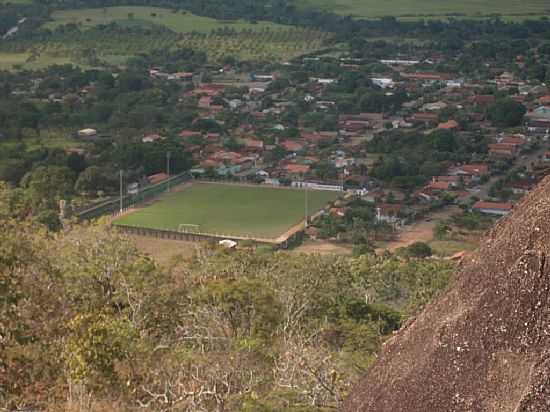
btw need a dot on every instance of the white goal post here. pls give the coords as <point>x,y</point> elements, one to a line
<point>188,228</point>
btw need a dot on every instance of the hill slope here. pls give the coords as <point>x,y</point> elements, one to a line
<point>485,344</point>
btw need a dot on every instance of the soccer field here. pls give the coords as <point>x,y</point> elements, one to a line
<point>260,212</point>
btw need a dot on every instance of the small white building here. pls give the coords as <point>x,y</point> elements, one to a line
<point>87,133</point>
<point>383,82</point>
<point>228,244</point>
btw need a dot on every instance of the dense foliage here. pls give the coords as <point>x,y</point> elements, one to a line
<point>85,316</point>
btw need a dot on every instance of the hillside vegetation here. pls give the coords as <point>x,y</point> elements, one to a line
<point>86,319</point>
<point>420,8</point>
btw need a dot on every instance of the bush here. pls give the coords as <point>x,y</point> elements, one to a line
<point>419,250</point>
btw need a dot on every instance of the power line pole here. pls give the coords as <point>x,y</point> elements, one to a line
<point>121,205</point>
<point>168,168</point>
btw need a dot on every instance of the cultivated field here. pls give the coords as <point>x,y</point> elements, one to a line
<point>259,212</point>
<point>178,21</point>
<point>93,46</point>
<point>377,8</point>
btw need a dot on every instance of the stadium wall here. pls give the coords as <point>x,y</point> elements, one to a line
<point>205,237</point>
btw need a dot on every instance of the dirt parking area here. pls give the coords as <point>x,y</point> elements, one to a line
<point>420,231</point>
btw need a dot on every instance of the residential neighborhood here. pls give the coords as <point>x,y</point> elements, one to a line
<point>408,132</point>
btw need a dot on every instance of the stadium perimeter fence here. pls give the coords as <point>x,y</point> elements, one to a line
<point>200,236</point>
<point>113,206</point>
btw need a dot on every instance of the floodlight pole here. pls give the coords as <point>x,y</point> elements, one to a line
<point>121,205</point>
<point>168,168</point>
<point>306,208</point>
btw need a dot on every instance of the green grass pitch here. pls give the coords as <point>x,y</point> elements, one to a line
<point>260,212</point>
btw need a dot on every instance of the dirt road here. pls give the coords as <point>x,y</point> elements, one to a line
<point>420,231</point>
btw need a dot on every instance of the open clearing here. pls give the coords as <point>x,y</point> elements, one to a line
<point>180,21</point>
<point>255,211</point>
<point>419,231</point>
<point>164,251</point>
<point>323,247</point>
<point>421,8</point>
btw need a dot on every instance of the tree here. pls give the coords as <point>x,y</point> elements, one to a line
<point>91,180</point>
<point>12,170</point>
<point>95,342</point>
<point>46,185</point>
<point>507,113</point>
<point>50,219</point>
<point>248,307</point>
<point>419,250</point>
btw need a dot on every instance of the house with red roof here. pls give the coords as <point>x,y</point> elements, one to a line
<point>449,125</point>
<point>253,144</point>
<point>292,145</point>
<point>205,102</point>
<point>297,169</point>
<point>426,76</point>
<point>188,134</point>
<point>513,140</point>
<point>475,170</point>
<point>545,100</point>
<point>157,178</point>
<point>424,117</point>
<point>520,187</point>
<point>182,76</point>
<point>471,173</point>
<point>437,187</point>
<point>454,181</point>
<point>503,150</point>
<point>493,208</point>
<point>483,100</point>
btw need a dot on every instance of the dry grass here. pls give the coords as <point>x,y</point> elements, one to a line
<point>323,248</point>
<point>164,251</point>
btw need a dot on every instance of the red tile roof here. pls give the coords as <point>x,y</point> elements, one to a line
<point>483,99</point>
<point>493,205</point>
<point>297,169</point>
<point>291,145</point>
<point>516,141</point>
<point>157,178</point>
<point>439,186</point>
<point>475,169</point>
<point>451,124</point>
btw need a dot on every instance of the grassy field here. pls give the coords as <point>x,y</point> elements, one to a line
<point>180,22</point>
<point>50,138</point>
<point>261,212</point>
<point>96,47</point>
<point>377,8</point>
<point>9,60</point>
<point>450,247</point>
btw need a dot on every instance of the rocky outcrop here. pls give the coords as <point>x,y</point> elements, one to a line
<point>484,345</point>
